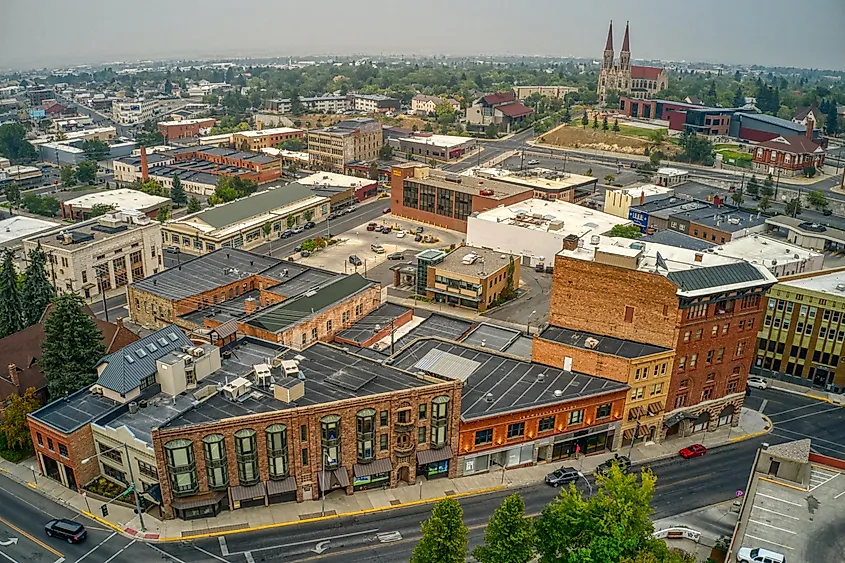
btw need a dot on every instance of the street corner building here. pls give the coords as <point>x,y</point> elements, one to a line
<point>699,312</point>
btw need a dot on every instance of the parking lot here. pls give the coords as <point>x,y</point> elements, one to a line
<point>804,525</point>
<point>358,242</point>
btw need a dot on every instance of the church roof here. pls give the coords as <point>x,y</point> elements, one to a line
<point>647,72</point>
<point>609,45</point>
<point>626,47</point>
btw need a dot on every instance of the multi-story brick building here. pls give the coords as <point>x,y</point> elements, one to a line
<point>185,128</point>
<point>706,308</point>
<point>514,412</point>
<point>646,368</point>
<point>790,155</point>
<point>350,140</point>
<point>802,334</point>
<point>101,255</point>
<point>471,277</point>
<point>420,193</point>
<point>265,138</point>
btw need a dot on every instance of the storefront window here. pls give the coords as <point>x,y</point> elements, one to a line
<point>439,421</point>
<point>246,449</point>
<point>277,451</point>
<point>330,428</point>
<point>214,449</point>
<point>181,467</point>
<point>365,432</point>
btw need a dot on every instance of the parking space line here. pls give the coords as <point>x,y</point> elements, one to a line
<point>778,499</point>
<point>249,558</point>
<point>839,495</point>
<point>768,541</point>
<point>774,512</point>
<point>773,527</point>
<point>7,557</point>
<point>794,418</point>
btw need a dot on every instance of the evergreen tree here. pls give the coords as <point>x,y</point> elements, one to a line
<point>768,186</point>
<point>37,290</point>
<point>444,535</point>
<point>616,125</point>
<point>509,537</point>
<point>71,348</point>
<point>585,120</point>
<point>604,124</point>
<point>595,121</point>
<point>177,192</point>
<point>739,97</point>
<point>831,121</point>
<point>11,316</point>
<point>753,188</point>
<point>194,205</point>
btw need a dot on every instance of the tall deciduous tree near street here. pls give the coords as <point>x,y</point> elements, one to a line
<point>37,290</point>
<point>14,425</point>
<point>71,348</point>
<point>12,191</point>
<point>444,535</point>
<point>11,317</point>
<point>509,537</point>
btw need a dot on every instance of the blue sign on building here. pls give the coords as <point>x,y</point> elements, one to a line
<point>639,218</point>
<point>37,114</point>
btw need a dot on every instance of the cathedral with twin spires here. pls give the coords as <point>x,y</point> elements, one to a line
<point>632,80</point>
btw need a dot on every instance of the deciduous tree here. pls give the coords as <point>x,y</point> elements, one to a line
<point>67,176</point>
<point>509,537</point>
<point>625,231</point>
<point>86,172</point>
<point>12,191</point>
<point>13,144</point>
<point>14,425</point>
<point>444,537</point>
<point>95,149</point>
<point>794,207</point>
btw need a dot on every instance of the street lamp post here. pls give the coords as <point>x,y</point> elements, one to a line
<point>131,478</point>
<point>584,477</point>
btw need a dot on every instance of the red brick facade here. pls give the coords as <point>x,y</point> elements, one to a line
<point>67,451</point>
<point>184,130</point>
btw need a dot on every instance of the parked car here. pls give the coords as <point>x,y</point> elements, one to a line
<point>309,225</point>
<point>332,216</point>
<point>377,248</point>
<point>533,162</point>
<point>297,248</point>
<point>624,463</point>
<point>354,260</point>
<point>372,227</point>
<point>757,382</point>
<point>68,530</point>
<point>419,229</point>
<point>562,476</point>
<point>386,230</point>
<point>758,555</point>
<point>386,210</point>
<point>400,234</point>
<point>396,256</point>
<point>172,250</point>
<point>418,238</point>
<point>297,230</point>
<point>287,234</point>
<point>827,212</point>
<point>695,450</point>
<point>305,254</point>
<point>351,208</point>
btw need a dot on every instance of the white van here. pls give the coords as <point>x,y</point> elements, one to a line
<point>377,248</point>
<point>758,555</point>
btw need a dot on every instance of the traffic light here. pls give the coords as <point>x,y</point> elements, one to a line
<point>105,510</point>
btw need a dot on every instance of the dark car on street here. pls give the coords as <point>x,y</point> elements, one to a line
<point>396,256</point>
<point>354,260</point>
<point>562,476</point>
<point>67,530</point>
<point>622,461</point>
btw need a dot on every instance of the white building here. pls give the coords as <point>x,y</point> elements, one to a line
<point>122,199</point>
<point>427,105</point>
<point>619,201</point>
<point>535,229</point>
<point>780,258</point>
<point>133,112</point>
<point>670,177</point>
<point>102,254</point>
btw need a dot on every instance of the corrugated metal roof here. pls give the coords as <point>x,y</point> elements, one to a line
<point>432,456</point>
<point>373,468</point>
<point>128,366</point>
<point>448,365</point>
<point>726,274</point>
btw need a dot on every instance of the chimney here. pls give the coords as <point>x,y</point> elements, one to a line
<point>259,125</point>
<point>642,197</point>
<point>810,126</point>
<point>570,242</point>
<point>145,170</point>
<point>250,305</point>
<point>13,375</point>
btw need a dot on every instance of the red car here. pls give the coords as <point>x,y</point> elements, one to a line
<point>694,450</point>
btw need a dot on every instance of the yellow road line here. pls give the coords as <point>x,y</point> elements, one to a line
<point>32,538</point>
<point>818,397</point>
<point>102,521</point>
<point>331,517</point>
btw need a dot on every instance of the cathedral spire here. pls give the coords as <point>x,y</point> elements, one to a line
<point>626,48</point>
<point>609,45</point>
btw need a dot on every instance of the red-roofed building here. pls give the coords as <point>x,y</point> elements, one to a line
<point>501,108</point>
<point>788,156</point>
<point>640,82</point>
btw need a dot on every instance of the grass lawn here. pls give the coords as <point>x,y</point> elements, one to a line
<point>736,158</point>
<point>723,146</point>
<point>639,131</point>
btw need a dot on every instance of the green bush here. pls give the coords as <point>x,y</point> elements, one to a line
<point>13,455</point>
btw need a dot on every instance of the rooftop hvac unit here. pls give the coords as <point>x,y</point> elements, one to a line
<point>262,374</point>
<point>197,352</point>
<point>133,407</point>
<point>470,258</point>
<point>290,368</point>
<point>236,388</point>
<point>488,398</point>
<point>558,393</point>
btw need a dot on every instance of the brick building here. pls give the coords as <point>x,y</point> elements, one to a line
<point>265,138</point>
<point>638,81</point>
<point>788,156</point>
<point>471,277</point>
<point>185,128</point>
<point>517,413</point>
<point>350,140</point>
<point>446,200</point>
<point>706,308</point>
<point>331,421</point>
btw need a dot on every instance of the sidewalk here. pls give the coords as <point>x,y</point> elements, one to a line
<point>809,392</point>
<point>124,519</point>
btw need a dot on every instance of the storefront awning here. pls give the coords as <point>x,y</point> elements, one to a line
<point>635,413</point>
<point>433,456</point>
<point>655,407</point>
<point>153,494</point>
<point>628,434</point>
<point>196,502</point>
<point>334,478</point>
<point>372,468</point>
<point>678,417</point>
<point>644,431</point>
<point>287,485</point>
<point>248,493</point>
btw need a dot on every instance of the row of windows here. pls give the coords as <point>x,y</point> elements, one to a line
<point>546,424</point>
<point>639,393</point>
<point>50,446</point>
<point>657,371</point>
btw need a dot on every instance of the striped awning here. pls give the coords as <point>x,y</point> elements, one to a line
<point>373,468</point>
<point>635,413</point>
<point>433,456</point>
<point>628,434</point>
<point>644,431</point>
<point>287,485</point>
<point>249,492</point>
<point>655,407</point>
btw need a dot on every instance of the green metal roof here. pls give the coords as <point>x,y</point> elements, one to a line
<point>256,204</point>
<point>287,313</point>
<point>715,276</point>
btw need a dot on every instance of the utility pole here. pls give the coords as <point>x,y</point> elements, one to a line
<point>103,295</point>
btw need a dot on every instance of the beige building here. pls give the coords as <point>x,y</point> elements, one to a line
<point>351,140</point>
<point>101,255</point>
<point>427,105</point>
<point>133,112</point>
<point>264,138</point>
<point>523,92</point>
<point>240,223</point>
<point>471,277</point>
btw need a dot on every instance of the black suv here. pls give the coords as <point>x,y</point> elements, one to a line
<point>622,461</point>
<point>354,260</point>
<point>68,530</point>
<point>562,476</point>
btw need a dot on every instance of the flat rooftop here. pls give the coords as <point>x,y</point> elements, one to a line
<point>768,251</point>
<point>365,327</point>
<point>446,141</point>
<point>75,411</point>
<point>85,233</point>
<point>822,282</point>
<point>332,179</point>
<point>807,228</point>
<point>469,184</point>
<point>674,238</point>
<point>495,337</point>
<point>330,375</point>
<point>486,262</point>
<point>645,190</point>
<point>120,199</point>
<point>559,216</point>
<point>441,326</point>
<point>186,121</point>
<point>20,226</point>
<point>727,219</point>
<point>267,132</point>
<point>540,178</point>
<point>512,383</point>
<point>609,345</point>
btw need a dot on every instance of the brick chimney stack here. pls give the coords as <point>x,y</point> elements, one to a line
<point>259,125</point>
<point>250,305</point>
<point>570,242</point>
<point>810,126</point>
<point>145,169</point>
<point>13,375</point>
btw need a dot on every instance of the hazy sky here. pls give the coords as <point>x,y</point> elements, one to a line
<point>801,33</point>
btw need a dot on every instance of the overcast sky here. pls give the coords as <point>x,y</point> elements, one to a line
<point>54,33</point>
